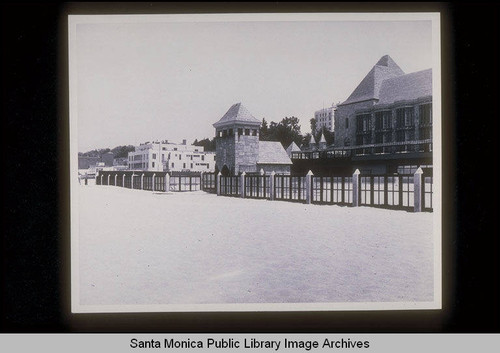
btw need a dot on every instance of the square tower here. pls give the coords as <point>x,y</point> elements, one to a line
<point>237,141</point>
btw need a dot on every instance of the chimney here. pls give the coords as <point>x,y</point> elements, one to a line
<point>183,142</point>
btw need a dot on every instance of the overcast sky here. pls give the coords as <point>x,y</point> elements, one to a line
<point>138,82</point>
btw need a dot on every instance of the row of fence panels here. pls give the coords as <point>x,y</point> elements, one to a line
<point>148,182</point>
<point>387,191</point>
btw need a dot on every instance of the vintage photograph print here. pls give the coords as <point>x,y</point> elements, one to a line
<point>255,162</point>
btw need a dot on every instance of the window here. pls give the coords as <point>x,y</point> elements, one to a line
<point>254,132</point>
<point>191,165</point>
<point>202,158</point>
<point>247,132</point>
<point>400,136</point>
<point>154,155</point>
<point>153,164</point>
<point>240,131</point>
<point>363,123</point>
<point>175,148</point>
<point>347,123</point>
<point>172,164</point>
<point>180,156</point>
<point>230,132</point>
<point>425,113</point>
<point>183,165</point>
<point>404,117</point>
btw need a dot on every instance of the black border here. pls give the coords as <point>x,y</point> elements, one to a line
<point>35,193</point>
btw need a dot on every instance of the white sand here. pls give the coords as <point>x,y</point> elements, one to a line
<point>139,247</point>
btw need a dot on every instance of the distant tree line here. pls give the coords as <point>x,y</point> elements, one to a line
<point>118,152</point>
<point>286,131</point>
<point>208,145</point>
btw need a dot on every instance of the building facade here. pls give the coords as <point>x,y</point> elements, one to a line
<point>167,156</point>
<point>384,126</point>
<point>325,118</point>
<point>239,150</point>
<point>388,114</point>
<point>387,106</point>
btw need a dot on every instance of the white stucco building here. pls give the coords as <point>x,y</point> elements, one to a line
<point>168,156</point>
<point>325,118</point>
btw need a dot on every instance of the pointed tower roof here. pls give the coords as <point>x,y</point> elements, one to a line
<point>237,113</point>
<point>312,141</point>
<point>369,87</point>
<point>322,138</point>
<point>292,148</point>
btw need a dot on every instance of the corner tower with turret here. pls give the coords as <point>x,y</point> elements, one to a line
<point>237,141</point>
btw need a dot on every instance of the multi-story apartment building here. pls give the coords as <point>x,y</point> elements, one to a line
<point>325,117</point>
<point>167,156</point>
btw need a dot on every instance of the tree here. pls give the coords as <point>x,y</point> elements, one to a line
<point>122,151</point>
<point>286,131</point>
<point>313,125</point>
<point>264,130</point>
<point>207,144</point>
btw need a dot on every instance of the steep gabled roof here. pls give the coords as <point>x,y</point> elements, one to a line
<point>322,138</point>
<point>237,113</point>
<point>312,140</point>
<point>292,148</point>
<point>272,152</point>
<point>369,87</point>
<point>406,87</point>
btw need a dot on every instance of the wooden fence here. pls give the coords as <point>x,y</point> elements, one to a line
<point>413,192</point>
<point>152,181</point>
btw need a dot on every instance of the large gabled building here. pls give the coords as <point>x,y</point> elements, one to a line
<point>388,117</point>
<point>384,126</point>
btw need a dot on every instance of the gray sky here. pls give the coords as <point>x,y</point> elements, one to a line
<point>139,82</point>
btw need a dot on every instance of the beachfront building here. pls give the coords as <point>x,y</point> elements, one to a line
<point>238,148</point>
<point>384,126</point>
<point>168,156</point>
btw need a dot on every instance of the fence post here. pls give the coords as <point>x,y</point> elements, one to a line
<point>153,181</point>
<point>101,178</point>
<point>217,185</point>
<point>242,184</point>
<point>271,185</point>
<point>355,188</point>
<point>142,181</point>
<point>116,179</point>
<point>167,182</point>
<point>201,181</point>
<point>308,186</point>
<point>417,190</point>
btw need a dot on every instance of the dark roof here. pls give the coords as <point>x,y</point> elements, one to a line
<point>272,152</point>
<point>237,113</point>
<point>369,87</point>
<point>406,87</point>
